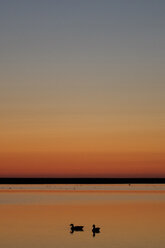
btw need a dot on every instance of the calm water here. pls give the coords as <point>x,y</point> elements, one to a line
<point>40,216</point>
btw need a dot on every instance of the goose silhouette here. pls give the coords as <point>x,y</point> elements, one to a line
<point>76,228</point>
<point>95,230</point>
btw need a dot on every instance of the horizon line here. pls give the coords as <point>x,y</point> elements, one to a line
<point>80,180</point>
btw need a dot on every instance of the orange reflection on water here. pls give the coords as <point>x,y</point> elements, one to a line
<point>123,223</point>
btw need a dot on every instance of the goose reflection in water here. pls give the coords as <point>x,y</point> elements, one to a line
<point>76,228</point>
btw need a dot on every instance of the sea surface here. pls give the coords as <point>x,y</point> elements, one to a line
<point>39,216</point>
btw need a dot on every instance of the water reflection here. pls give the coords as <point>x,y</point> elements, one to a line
<point>130,219</point>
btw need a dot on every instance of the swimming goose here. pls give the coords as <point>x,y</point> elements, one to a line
<point>76,228</point>
<point>95,229</point>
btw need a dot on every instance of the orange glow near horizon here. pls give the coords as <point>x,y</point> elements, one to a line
<point>82,165</point>
<point>85,146</point>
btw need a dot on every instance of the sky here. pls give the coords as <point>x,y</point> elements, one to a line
<point>82,88</point>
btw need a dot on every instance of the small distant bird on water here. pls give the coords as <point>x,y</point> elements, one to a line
<point>76,228</point>
<point>95,230</point>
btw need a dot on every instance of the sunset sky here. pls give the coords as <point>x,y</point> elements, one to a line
<point>82,88</point>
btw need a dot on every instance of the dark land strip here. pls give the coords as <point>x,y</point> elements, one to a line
<point>82,180</point>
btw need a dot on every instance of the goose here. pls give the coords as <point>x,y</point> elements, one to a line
<point>76,228</point>
<point>95,229</point>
